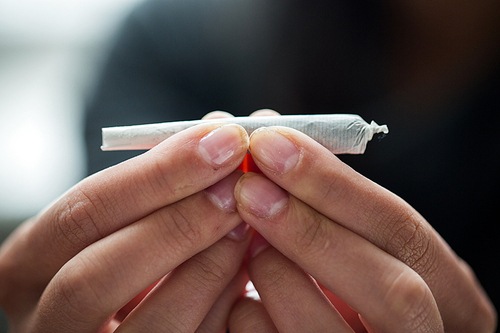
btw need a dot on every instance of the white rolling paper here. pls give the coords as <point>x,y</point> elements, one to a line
<point>340,133</point>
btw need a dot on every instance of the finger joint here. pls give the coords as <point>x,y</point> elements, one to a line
<point>410,302</point>
<point>412,243</point>
<point>77,220</point>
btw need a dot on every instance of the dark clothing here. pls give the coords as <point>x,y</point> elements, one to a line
<point>178,60</point>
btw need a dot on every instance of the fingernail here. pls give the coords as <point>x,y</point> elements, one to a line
<point>260,196</point>
<point>220,145</point>
<point>222,192</point>
<point>240,232</point>
<point>274,150</point>
<point>257,245</point>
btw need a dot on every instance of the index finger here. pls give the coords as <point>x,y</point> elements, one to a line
<point>315,176</point>
<point>186,163</point>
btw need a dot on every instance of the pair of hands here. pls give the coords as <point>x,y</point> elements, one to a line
<point>172,219</point>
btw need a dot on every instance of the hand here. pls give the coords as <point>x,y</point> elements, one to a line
<point>358,240</point>
<point>161,216</point>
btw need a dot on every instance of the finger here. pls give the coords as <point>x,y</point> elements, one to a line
<point>314,175</point>
<point>264,113</point>
<point>106,275</point>
<point>217,115</point>
<point>248,164</point>
<point>116,197</point>
<point>182,300</point>
<point>216,319</point>
<point>386,292</point>
<point>291,297</point>
<point>248,316</point>
<point>132,304</point>
<point>349,315</point>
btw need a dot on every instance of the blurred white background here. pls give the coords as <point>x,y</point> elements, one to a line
<point>50,52</point>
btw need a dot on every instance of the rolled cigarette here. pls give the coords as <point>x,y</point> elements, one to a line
<point>340,133</point>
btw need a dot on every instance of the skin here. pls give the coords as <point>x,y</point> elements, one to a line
<point>358,240</point>
<point>168,215</point>
<point>160,228</point>
<point>388,249</point>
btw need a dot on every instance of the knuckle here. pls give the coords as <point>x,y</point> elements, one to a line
<point>273,279</point>
<point>209,273</point>
<point>410,241</point>
<point>179,228</point>
<point>163,180</point>
<point>331,187</point>
<point>312,241</point>
<point>69,294</point>
<point>77,220</point>
<point>158,182</point>
<point>410,301</point>
<point>76,295</point>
